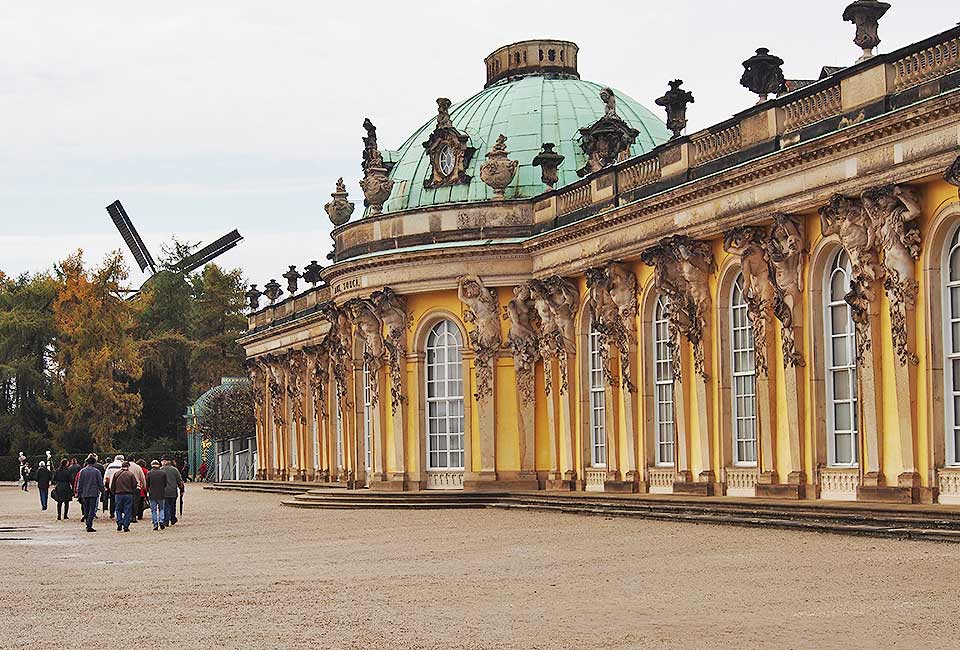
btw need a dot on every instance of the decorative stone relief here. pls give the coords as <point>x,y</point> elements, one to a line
<point>273,365</point>
<point>296,371</point>
<point>675,102</point>
<point>555,300</point>
<point>762,74</point>
<point>483,311</point>
<point>845,217</point>
<point>498,171</point>
<point>340,209</point>
<point>682,267</point>
<point>391,307</point>
<point>785,252</point>
<point>893,210</point>
<point>613,306</point>
<point>866,15</point>
<point>376,184</point>
<point>749,243</point>
<point>523,340</point>
<point>337,343</point>
<point>369,327</point>
<point>952,175</point>
<point>449,151</point>
<point>256,374</point>
<point>548,161</point>
<point>319,375</point>
<point>607,139</point>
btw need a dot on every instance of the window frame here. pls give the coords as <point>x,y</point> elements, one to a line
<point>951,387</point>
<point>663,395</point>
<point>445,336</point>
<point>597,390</point>
<point>840,263</point>
<point>740,376</point>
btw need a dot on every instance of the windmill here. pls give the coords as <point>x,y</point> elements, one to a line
<point>145,260</point>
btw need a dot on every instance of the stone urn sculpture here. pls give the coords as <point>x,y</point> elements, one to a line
<point>866,15</point>
<point>272,290</point>
<point>548,161</point>
<point>376,185</point>
<point>498,171</point>
<point>675,102</point>
<point>762,74</point>
<point>339,209</point>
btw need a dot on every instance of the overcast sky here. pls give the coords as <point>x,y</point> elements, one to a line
<point>206,116</point>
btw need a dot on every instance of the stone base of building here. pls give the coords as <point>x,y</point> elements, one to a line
<point>502,482</point>
<point>887,494</point>
<point>621,487</point>
<point>560,485</point>
<point>781,491</point>
<point>694,488</point>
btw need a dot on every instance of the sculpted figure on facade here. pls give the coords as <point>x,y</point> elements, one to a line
<point>256,374</point>
<point>550,342</point>
<point>749,243</point>
<point>391,307</point>
<point>483,311</point>
<point>785,255</point>
<point>273,365</point>
<point>893,210</point>
<point>319,376</point>
<point>296,369</point>
<point>613,306</point>
<point>952,175</point>
<point>846,217</point>
<point>337,343</point>
<point>369,327</point>
<point>681,272</point>
<point>522,339</point>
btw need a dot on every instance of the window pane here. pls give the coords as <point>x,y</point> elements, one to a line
<point>842,417</point>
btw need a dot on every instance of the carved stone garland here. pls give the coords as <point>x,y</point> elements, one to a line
<point>681,269</point>
<point>392,310</point>
<point>255,372</point>
<point>483,311</point>
<point>613,306</point>
<point>275,388</point>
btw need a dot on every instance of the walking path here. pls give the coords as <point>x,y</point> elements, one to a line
<point>241,572</point>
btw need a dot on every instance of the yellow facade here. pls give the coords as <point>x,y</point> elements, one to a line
<point>315,345</point>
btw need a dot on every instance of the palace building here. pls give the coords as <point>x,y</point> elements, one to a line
<point>552,288</point>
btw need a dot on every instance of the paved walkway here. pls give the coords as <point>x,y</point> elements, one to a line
<point>241,572</point>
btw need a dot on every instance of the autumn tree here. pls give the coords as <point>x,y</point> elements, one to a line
<point>96,359</point>
<point>218,321</point>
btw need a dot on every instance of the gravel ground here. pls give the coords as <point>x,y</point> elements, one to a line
<point>241,572</point>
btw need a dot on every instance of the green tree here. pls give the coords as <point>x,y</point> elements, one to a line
<point>218,322</point>
<point>27,332</point>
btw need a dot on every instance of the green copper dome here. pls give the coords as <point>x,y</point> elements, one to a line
<point>529,110</point>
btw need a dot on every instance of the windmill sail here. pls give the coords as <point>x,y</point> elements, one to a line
<point>131,237</point>
<point>208,252</point>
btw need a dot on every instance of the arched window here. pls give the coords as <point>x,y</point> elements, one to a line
<point>841,371</point>
<point>444,365</point>
<point>951,347</point>
<point>315,436</point>
<point>292,432</point>
<point>367,418</point>
<point>663,385</point>
<point>598,408</point>
<point>744,379</point>
<point>338,425</point>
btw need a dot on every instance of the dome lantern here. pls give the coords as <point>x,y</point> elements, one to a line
<point>537,56</point>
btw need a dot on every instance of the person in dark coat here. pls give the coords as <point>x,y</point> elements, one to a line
<point>89,489</point>
<point>156,486</point>
<point>62,490</point>
<point>43,483</point>
<point>170,493</point>
<point>24,476</point>
<point>124,485</point>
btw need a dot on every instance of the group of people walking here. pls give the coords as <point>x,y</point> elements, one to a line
<point>122,487</point>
